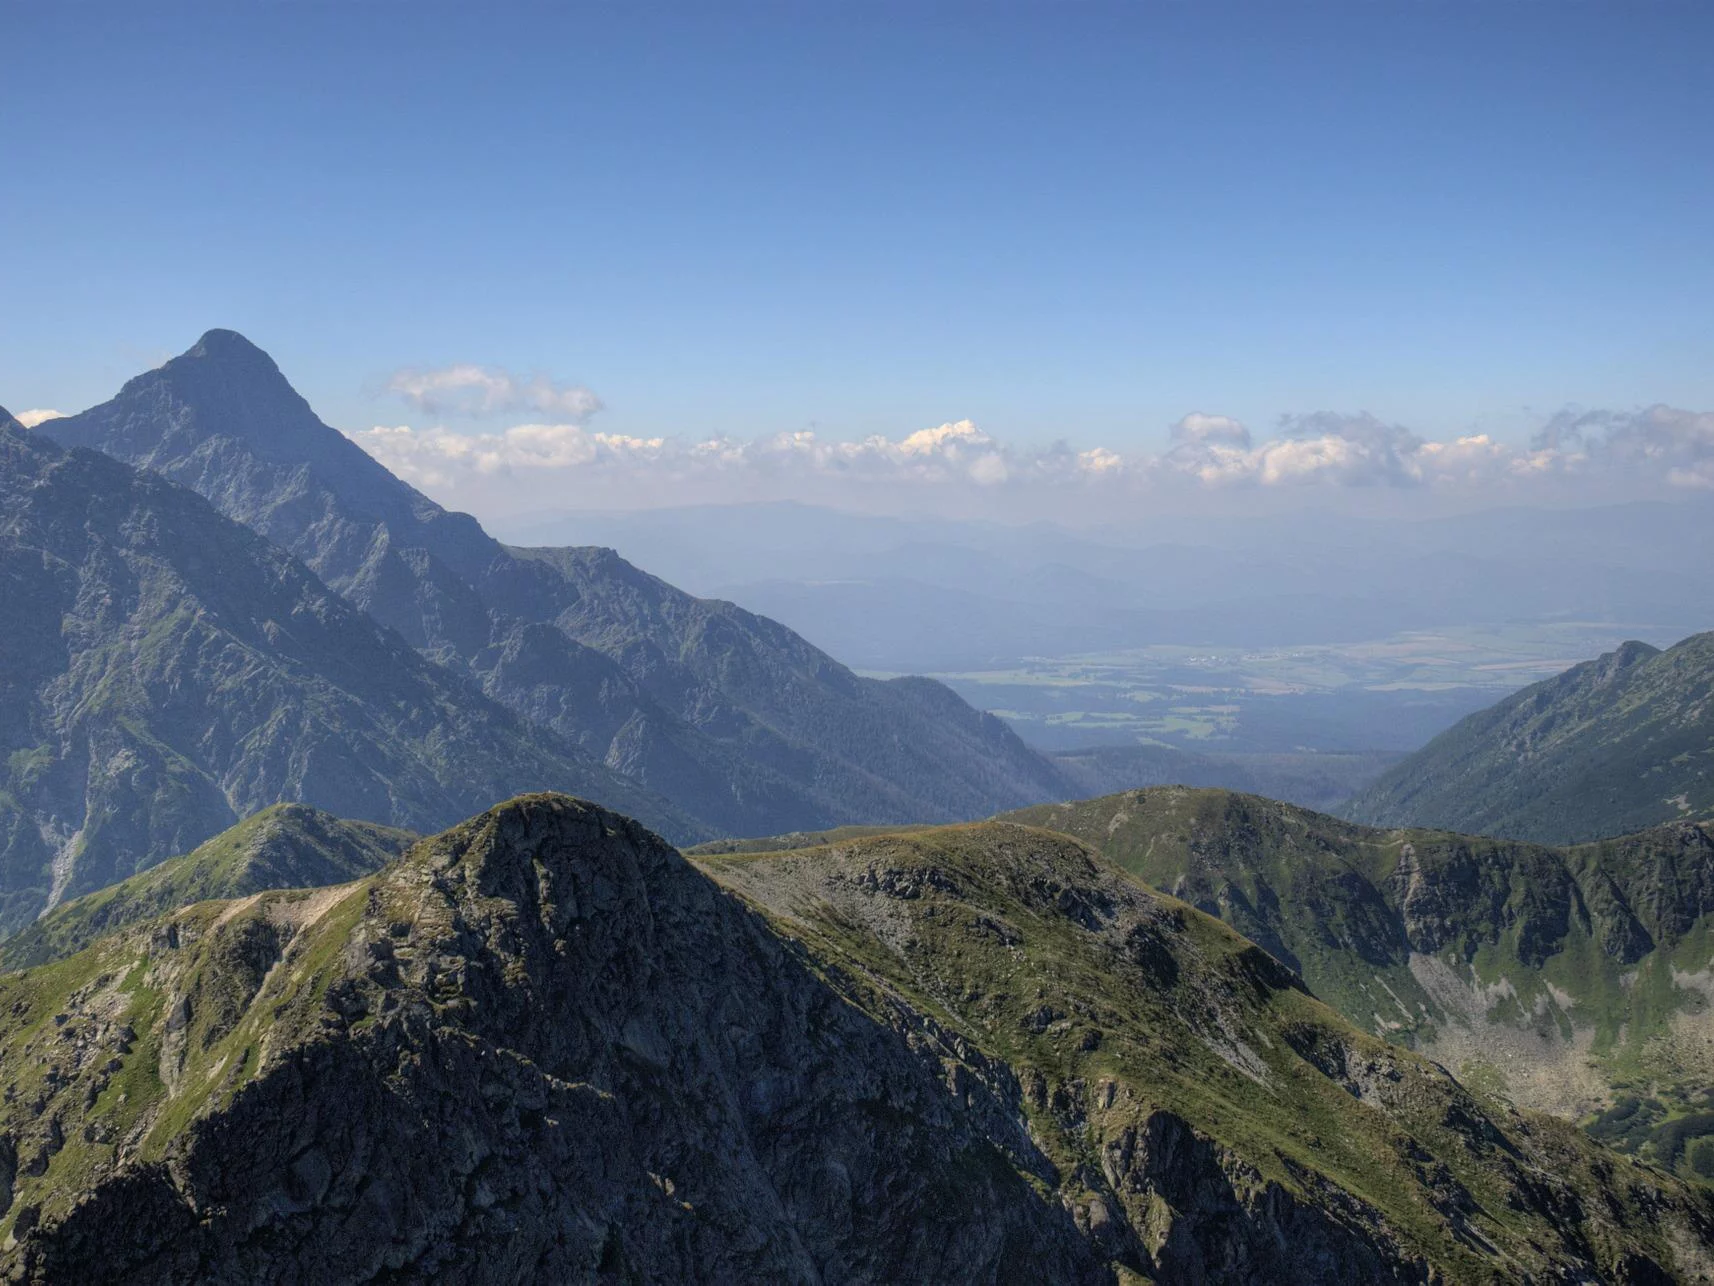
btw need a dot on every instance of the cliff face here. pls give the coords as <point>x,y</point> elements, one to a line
<point>544,1046</point>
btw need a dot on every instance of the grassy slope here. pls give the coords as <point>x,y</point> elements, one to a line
<point>795,839</point>
<point>1030,948</point>
<point>1564,977</point>
<point>1113,1009</point>
<point>286,846</point>
<point>156,1032</point>
<point>1609,747</point>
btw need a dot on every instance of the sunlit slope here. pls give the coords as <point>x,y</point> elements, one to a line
<point>1611,746</point>
<point>1568,977</point>
<point>1202,1113</point>
<point>286,846</point>
<point>544,1045</point>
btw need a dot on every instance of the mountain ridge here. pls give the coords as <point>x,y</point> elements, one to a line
<point>542,1043</point>
<point>284,846</point>
<point>627,684</point>
<point>1567,978</point>
<point>165,671</point>
<point>1608,747</point>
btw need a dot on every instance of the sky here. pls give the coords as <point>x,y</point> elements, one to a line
<point>1000,257</point>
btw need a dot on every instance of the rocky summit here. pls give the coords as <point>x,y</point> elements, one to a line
<point>545,1046</point>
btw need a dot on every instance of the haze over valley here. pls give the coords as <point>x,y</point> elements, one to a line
<point>1353,639</point>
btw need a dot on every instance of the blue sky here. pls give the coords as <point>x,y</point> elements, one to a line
<point>1059,221</point>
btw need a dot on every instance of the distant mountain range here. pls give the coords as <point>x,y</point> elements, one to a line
<point>1321,781</point>
<point>543,1045</point>
<point>1610,746</point>
<point>738,721</point>
<point>165,671</point>
<point>943,595</point>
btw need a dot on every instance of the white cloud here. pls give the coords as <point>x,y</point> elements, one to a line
<point>1658,441</point>
<point>537,465</point>
<point>950,452</point>
<point>1100,460</point>
<point>438,458</point>
<point>469,390</point>
<point>1325,448</point>
<point>30,419</point>
<point>1221,429</point>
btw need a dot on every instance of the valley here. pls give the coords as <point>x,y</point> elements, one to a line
<point>1387,695</point>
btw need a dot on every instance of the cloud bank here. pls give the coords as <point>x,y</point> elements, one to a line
<point>41,415</point>
<point>467,390</point>
<point>958,466</point>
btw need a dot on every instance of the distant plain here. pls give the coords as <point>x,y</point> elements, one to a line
<point>1385,695</point>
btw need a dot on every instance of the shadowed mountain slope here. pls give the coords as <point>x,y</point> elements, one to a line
<point>544,1045</point>
<point>165,671</point>
<point>733,717</point>
<point>1608,747</point>
<point>865,750</point>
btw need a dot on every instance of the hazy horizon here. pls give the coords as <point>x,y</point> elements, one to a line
<point>970,259</point>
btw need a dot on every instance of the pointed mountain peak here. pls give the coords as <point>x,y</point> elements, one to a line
<point>228,351</point>
<point>227,344</point>
<point>222,418</point>
<point>7,419</point>
<point>222,385</point>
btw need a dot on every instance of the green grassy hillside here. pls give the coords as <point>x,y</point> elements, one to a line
<point>287,846</point>
<point>1118,1010</point>
<point>1609,747</point>
<point>544,1045</point>
<point>1569,979</point>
